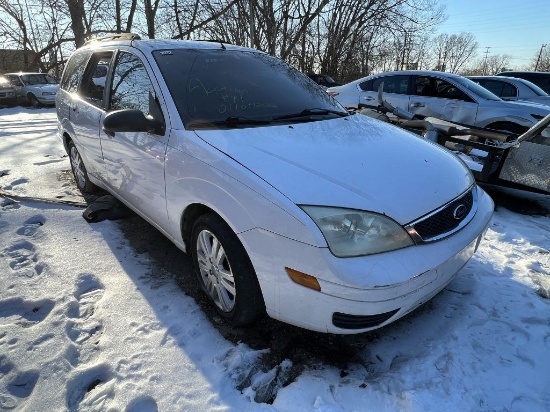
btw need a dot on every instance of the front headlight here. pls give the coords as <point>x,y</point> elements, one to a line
<point>352,232</point>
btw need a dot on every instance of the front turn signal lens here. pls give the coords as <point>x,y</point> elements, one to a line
<point>303,279</point>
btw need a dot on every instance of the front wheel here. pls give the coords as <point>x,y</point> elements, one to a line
<point>79,171</point>
<point>225,272</point>
<point>508,128</point>
<point>34,101</point>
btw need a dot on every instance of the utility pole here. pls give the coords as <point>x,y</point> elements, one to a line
<point>540,54</point>
<point>485,62</point>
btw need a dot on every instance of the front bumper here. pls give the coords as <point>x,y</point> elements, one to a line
<point>363,293</point>
<point>48,99</point>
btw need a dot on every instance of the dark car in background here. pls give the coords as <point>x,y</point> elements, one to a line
<point>323,80</point>
<point>541,79</point>
<point>513,88</point>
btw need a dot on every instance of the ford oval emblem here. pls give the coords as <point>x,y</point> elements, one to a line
<point>460,212</point>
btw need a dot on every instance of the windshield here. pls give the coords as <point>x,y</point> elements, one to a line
<point>214,86</point>
<point>38,78</point>
<point>476,88</point>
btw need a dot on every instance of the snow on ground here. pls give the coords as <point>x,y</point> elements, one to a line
<point>89,323</point>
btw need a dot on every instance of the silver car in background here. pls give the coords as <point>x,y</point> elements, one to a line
<point>37,89</point>
<point>7,92</point>
<point>513,89</point>
<point>442,95</point>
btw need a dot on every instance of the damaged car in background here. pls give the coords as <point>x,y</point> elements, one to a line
<point>288,204</point>
<point>518,161</point>
<point>444,96</point>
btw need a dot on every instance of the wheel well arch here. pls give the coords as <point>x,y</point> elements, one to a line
<point>499,125</point>
<point>66,139</point>
<point>190,214</point>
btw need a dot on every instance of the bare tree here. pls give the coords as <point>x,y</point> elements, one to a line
<point>488,66</point>
<point>355,29</point>
<point>344,38</point>
<point>37,28</point>
<point>454,51</point>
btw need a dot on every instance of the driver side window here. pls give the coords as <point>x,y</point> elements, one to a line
<point>446,90</point>
<point>131,87</point>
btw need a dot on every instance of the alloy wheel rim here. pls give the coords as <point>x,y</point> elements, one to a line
<point>78,167</point>
<point>215,271</point>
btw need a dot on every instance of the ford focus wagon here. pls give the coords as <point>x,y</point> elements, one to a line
<point>289,205</point>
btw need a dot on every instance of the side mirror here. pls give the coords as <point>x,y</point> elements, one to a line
<point>131,120</point>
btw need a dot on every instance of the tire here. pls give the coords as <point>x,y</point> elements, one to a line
<point>34,101</point>
<point>225,272</point>
<point>79,171</point>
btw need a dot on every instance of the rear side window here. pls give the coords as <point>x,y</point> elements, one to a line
<point>367,86</point>
<point>92,87</point>
<point>540,79</point>
<point>393,84</point>
<point>501,89</point>
<point>74,71</point>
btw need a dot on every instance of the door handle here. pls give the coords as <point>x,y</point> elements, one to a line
<point>368,98</point>
<point>418,104</point>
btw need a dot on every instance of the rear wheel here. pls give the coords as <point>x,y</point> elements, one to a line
<point>225,272</point>
<point>79,171</point>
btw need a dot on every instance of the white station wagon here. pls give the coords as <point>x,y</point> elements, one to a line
<point>288,204</point>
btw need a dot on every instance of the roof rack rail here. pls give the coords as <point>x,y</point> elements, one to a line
<point>115,36</point>
<point>221,42</point>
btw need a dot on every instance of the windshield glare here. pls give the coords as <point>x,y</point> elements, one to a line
<point>211,86</point>
<point>38,78</point>
<point>476,88</point>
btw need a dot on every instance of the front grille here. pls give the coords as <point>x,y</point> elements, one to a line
<point>445,220</point>
<point>345,321</point>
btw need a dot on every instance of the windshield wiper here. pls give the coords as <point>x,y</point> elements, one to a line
<point>231,121</point>
<point>312,112</point>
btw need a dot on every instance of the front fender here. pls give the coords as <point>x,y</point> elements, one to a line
<point>243,200</point>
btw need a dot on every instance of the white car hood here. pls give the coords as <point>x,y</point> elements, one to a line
<point>353,162</point>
